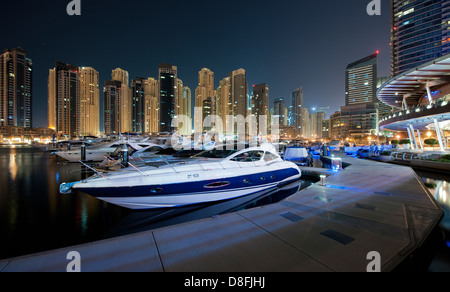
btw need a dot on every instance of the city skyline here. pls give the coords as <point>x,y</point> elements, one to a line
<point>307,54</point>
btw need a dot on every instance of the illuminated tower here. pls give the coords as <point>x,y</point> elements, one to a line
<point>64,95</point>
<point>15,89</point>
<point>167,96</point>
<point>420,32</point>
<point>89,101</point>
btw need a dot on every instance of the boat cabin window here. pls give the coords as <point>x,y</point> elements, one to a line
<point>215,153</point>
<point>249,156</point>
<point>269,156</point>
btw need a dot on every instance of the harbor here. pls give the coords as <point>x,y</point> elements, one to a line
<point>321,225</point>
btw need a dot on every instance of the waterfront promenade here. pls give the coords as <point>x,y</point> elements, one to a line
<point>369,206</point>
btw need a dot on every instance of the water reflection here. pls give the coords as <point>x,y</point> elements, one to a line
<point>439,186</point>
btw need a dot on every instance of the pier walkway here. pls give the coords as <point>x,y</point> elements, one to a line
<point>369,206</point>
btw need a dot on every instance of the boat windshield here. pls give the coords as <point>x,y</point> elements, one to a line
<point>249,156</point>
<point>215,153</point>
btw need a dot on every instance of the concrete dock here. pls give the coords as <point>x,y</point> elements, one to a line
<point>369,206</point>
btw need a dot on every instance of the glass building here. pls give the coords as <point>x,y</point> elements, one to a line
<point>167,95</point>
<point>420,32</point>
<point>15,88</point>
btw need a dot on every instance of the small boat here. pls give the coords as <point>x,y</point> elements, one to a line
<point>98,152</point>
<point>191,182</point>
<point>299,155</point>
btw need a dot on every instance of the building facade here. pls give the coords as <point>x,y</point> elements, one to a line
<point>420,32</point>
<point>260,107</point>
<point>89,102</point>
<point>124,102</point>
<point>112,94</point>
<point>64,93</point>
<point>279,110</point>
<point>168,93</point>
<point>297,104</point>
<point>151,106</point>
<point>361,81</point>
<point>138,105</point>
<point>223,102</point>
<point>15,88</point>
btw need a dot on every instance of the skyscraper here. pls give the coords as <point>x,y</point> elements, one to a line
<point>15,88</point>
<point>361,81</point>
<point>64,99</point>
<point>260,105</point>
<point>111,102</point>
<point>305,132</point>
<point>420,32</point>
<point>316,123</point>
<point>89,101</point>
<point>151,106</point>
<point>223,102</point>
<point>138,105</point>
<point>238,92</point>
<point>167,96</point>
<point>186,109</point>
<point>297,104</point>
<point>125,99</point>
<point>204,95</point>
<point>279,109</point>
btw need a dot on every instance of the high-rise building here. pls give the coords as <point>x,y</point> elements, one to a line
<point>186,110</point>
<point>316,123</point>
<point>420,32</point>
<point>15,88</point>
<point>297,104</point>
<point>151,106</point>
<point>260,106</point>
<point>89,102</point>
<point>223,102</point>
<point>167,96</point>
<point>361,81</point>
<point>305,126</point>
<point>138,105</point>
<point>112,94</point>
<point>204,92</point>
<point>359,117</point>
<point>239,92</point>
<point>125,101</point>
<point>64,99</point>
<point>279,109</point>
<point>120,75</point>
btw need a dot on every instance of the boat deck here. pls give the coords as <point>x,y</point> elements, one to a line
<point>369,206</point>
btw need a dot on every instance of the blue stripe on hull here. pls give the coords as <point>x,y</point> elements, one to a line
<point>192,187</point>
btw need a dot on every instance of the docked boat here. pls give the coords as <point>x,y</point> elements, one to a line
<point>299,155</point>
<point>195,181</point>
<point>102,150</point>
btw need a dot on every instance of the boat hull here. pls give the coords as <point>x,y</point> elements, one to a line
<point>188,193</point>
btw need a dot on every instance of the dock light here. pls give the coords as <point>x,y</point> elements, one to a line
<point>336,164</point>
<point>322,179</point>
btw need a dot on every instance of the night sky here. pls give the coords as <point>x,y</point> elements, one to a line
<point>284,43</point>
